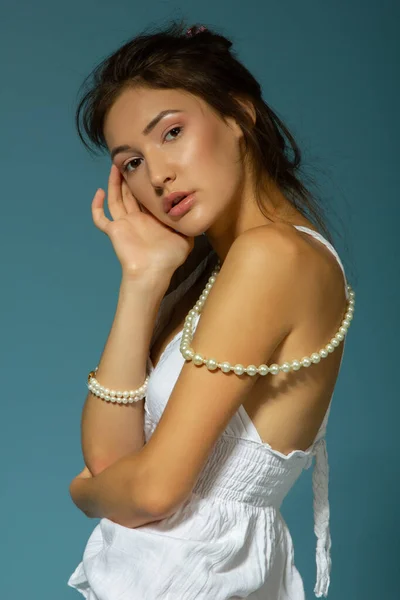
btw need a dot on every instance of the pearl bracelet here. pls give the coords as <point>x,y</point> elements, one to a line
<point>115,396</point>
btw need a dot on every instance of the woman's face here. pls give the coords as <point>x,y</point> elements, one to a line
<point>192,149</point>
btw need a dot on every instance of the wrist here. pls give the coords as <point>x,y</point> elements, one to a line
<point>157,282</point>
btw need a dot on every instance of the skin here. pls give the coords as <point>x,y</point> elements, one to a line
<point>205,156</point>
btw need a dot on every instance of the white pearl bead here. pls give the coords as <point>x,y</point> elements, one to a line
<point>305,361</point>
<point>263,370</point>
<point>315,358</point>
<point>225,367</point>
<point>238,369</point>
<point>211,364</point>
<point>323,353</point>
<point>285,368</point>
<point>197,359</point>
<point>188,353</point>
<point>295,364</point>
<point>330,348</point>
<point>251,370</point>
<point>274,369</point>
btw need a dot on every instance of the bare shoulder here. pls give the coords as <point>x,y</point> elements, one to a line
<point>315,277</point>
<point>278,247</point>
<point>280,241</point>
<point>270,239</point>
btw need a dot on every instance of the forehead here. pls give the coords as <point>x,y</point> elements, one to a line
<point>135,107</point>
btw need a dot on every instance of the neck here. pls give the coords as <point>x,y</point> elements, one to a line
<point>245,214</point>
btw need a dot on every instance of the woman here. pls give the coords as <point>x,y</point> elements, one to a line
<point>188,471</point>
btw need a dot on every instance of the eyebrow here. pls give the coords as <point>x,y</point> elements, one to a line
<point>149,127</point>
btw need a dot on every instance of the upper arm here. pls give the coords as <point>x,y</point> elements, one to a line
<point>245,317</point>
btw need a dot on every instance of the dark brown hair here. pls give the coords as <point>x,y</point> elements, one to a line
<point>204,65</point>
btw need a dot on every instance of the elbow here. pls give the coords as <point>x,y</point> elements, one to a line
<point>159,506</point>
<point>150,495</point>
<point>161,502</point>
<point>162,496</point>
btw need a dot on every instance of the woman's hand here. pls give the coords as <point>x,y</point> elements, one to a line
<point>141,242</point>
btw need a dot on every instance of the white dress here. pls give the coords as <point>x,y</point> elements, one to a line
<point>229,539</point>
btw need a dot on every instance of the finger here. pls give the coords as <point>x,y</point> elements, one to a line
<point>99,218</point>
<point>114,198</point>
<point>130,203</point>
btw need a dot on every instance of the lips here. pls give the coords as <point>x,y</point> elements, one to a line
<point>173,199</point>
<point>182,207</point>
<point>177,202</point>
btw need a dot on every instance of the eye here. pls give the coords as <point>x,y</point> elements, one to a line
<point>174,129</point>
<point>125,166</point>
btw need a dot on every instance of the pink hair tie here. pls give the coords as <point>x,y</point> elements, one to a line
<point>194,30</point>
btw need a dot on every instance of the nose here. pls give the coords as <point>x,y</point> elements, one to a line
<point>160,172</point>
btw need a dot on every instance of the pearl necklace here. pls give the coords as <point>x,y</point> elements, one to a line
<point>211,363</point>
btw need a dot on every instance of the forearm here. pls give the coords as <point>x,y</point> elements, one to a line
<point>118,493</point>
<point>110,431</point>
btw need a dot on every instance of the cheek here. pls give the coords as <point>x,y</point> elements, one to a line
<point>224,148</point>
<point>207,150</point>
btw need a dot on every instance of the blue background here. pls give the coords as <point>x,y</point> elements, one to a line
<point>329,69</point>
